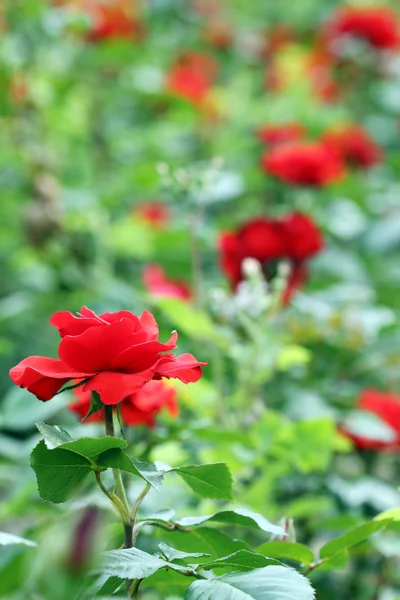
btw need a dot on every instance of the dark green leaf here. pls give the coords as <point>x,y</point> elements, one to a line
<point>242,560</point>
<point>239,516</point>
<point>91,448</point>
<point>117,459</point>
<point>60,473</point>
<point>172,554</point>
<point>132,563</point>
<point>288,550</point>
<point>111,586</point>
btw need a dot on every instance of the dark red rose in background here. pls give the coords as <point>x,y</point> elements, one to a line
<point>139,408</point>
<point>114,354</point>
<point>303,163</point>
<point>294,238</point>
<point>280,133</point>
<point>112,20</point>
<point>386,405</point>
<point>377,25</point>
<point>158,284</point>
<point>192,77</point>
<point>354,145</point>
<point>152,212</point>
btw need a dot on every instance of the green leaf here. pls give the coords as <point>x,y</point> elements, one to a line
<point>117,459</point>
<point>95,405</point>
<point>352,538</point>
<point>238,516</point>
<point>186,318</point>
<point>54,436</point>
<point>335,563</point>
<point>392,514</point>
<point>209,541</point>
<point>268,583</point>
<point>242,560</point>
<point>111,586</point>
<point>9,539</point>
<point>172,554</point>
<point>209,481</point>
<point>60,473</point>
<point>92,448</point>
<point>287,550</point>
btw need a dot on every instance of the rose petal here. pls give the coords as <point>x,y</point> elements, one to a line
<point>43,376</point>
<point>97,347</point>
<point>69,324</point>
<point>114,387</point>
<point>185,368</point>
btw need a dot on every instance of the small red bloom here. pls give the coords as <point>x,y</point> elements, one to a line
<point>386,406</point>
<point>377,25</point>
<point>158,284</point>
<point>112,20</point>
<point>192,77</point>
<point>152,212</point>
<point>303,163</point>
<point>354,145</point>
<point>320,70</point>
<point>273,134</point>
<point>294,238</point>
<point>139,408</point>
<point>114,354</point>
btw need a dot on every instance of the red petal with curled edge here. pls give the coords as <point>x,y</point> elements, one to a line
<point>185,368</point>
<point>43,376</point>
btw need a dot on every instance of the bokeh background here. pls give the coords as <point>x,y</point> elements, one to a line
<point>138,141</point>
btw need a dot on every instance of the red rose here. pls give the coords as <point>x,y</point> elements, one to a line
<point>294,238</point>
<point>192,77</point>
<point>377,25</point>
<point>280,133</point>
<point>303,163</point>
<point>112,21</point>
<point>386,406</point>
<point>354,145</point>
<point>139,408</point>
<point>114,354</point>
<point>158,284</point>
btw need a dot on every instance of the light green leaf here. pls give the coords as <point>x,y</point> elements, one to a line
<point>238,516</point>
<point>60,473</point>
<point>54,436</point>
<point>172,554</point>
<point>132,563</point>
<point>392,514</point>
<point>209,481</point>
<point>117,459</point>
<point>186,318</point>
<point>9,539</point>
<point>352,538</point>
<point>292,355</point>
<point>242,560</point>
<point>268,583</point>
<point>289,550</point>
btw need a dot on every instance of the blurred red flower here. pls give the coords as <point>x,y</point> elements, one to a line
<point>112,20</point>
<point>354,144</point>
<point>377,25</point>
<point>303,163</point>
<point>320,70</point>
<point>139,408</point>
<point>152,212</point>
<point>279,133</point>
<point>294,238</point>
<point>158,284</point>
<point>192,76</point>
<point>385,405</point>
<point>114,354</point>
